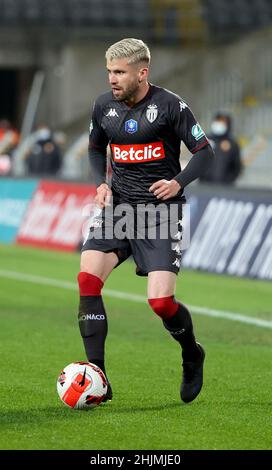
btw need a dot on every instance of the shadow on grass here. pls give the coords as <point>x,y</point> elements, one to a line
<point>23,417</point>
<point>56,414</point>
<point>140,409</point>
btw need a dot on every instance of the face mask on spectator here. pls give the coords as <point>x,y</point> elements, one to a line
<point>218,128</point>
<point>43,134</point>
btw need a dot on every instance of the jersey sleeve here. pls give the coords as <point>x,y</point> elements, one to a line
<point>186,126</point>
<point>98,142</point>
<point>97,138</point>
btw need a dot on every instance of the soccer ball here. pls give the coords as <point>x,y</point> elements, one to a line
<point>82,385</point>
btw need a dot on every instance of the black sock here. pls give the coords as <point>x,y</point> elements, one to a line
<point>180,327</point>
<point>99,363</point>
<point>93,328</point>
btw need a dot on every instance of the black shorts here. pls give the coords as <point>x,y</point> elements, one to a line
<point>151,234</point>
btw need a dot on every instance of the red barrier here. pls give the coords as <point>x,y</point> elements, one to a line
<point>55,216</point>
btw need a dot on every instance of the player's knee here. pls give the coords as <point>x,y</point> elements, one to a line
<point>89,284</point>
<point>164,307</point>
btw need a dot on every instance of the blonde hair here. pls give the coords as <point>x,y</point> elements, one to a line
<point>135,50</point>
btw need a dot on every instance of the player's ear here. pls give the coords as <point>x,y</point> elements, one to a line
<point>143,72</point>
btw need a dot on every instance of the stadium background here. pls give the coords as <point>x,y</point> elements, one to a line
<point>217,55</point>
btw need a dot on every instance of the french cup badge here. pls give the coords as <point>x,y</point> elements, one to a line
<point>131,126</point>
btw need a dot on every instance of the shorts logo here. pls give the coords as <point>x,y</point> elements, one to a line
<point>176,263</point>
<point>197,131</point>
<point>152,112</point>
<point>177,249</point>
<point>141,153</point>
<point>131,126</point>
<point>178,235</point>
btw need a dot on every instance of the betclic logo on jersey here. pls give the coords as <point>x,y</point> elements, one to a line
<point>140,153</point>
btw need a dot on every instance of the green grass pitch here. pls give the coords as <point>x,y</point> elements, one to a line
<point>39,336</point>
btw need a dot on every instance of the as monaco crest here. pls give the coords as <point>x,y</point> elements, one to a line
<point>152,112</point>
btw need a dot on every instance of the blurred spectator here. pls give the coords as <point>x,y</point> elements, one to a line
<point>9,138</point>
<point>44,156</point>
<point>227,165</point>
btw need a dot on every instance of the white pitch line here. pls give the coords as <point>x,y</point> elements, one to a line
<point>134,298</point>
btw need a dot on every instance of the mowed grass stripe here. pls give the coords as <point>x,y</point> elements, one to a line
<point>232,316</point>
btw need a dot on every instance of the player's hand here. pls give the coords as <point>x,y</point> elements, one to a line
<point>103,196</point>
<point>164,189</point>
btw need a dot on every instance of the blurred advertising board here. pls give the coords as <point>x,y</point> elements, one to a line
<point>231,231</point>
<point>15,196</point>
<point>56,215</point>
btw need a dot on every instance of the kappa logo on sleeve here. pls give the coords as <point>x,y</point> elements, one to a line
<point>182,106</point>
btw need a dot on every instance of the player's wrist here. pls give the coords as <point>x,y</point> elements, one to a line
<point>176,183</point>
<point>102,187</point>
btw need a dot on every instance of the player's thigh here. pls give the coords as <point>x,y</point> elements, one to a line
<point>161,284</point>
<point>98,263</point>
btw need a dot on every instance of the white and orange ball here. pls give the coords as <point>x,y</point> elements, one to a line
<point>82,385</point>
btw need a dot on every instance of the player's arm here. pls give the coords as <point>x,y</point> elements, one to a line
<point>189,131</point>
<point>196,167</point>
<point>98,142</point>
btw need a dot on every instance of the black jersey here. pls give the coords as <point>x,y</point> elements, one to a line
<point>144,140</point>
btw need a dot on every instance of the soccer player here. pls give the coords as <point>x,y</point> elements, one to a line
<point>144,126</point>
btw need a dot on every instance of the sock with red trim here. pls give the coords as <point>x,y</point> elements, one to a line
<point>178,321</point>
<point>92,318</point>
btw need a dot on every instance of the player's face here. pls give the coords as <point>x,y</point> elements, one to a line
<point>125,79</point>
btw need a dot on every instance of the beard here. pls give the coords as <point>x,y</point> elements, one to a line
<point>128,93</point>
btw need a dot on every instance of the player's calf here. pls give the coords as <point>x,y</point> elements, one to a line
<point>177,320</point>
<point>92,318</point>
<point>181,329</point>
